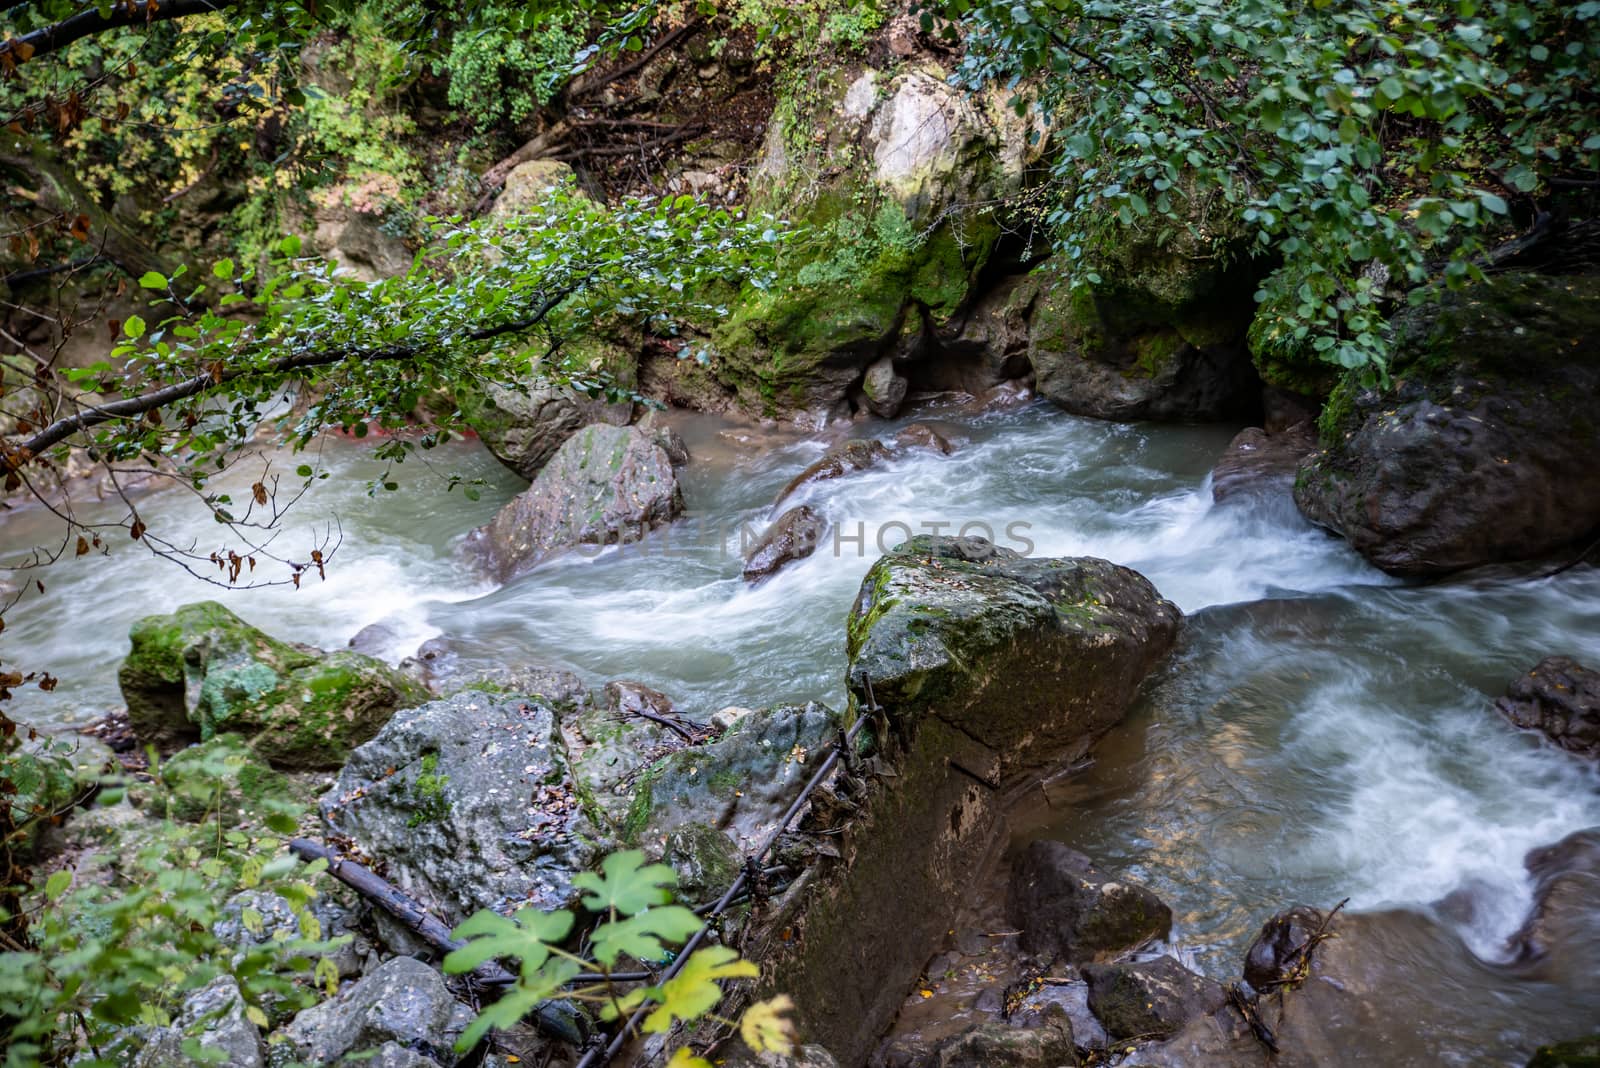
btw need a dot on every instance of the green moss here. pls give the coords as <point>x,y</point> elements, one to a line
<point>427,793</point>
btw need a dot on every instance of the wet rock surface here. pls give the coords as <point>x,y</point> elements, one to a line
<point>1068,909</point>
<point>1026,655</point>
<point>469,803</point>
<point>1560,698</point>
<point>449,665</point>
<point>1469,458</point>
<point>1281,947</point>
<point>1152,999</point>
<point>923,436</point>
<point>843,459</point>
<point>1561,937</point>
<point>605,485</point>
<point>403,1003</point>
<point>1257,462</point>
<point>793,536</point>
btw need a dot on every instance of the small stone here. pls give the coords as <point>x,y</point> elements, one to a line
<point>1152,999</point>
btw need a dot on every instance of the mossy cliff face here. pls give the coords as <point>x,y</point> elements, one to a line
<point>1467,457</point>
<point>1161,335</point>
<point>203,671</point>
<point>892,180</point>
<point>986,663</point>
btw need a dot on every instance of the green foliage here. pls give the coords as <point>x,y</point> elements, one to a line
<point>121,940</point>
<point>512,61</point>
<point>639,922</point>
<point>1367,145</point>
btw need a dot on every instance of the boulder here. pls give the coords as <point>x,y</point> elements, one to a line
<point>468,802</point>
<point>1560,698</point>
<point>203,671</point>
<point>997,1045</point>
<point>605,485</point>
<point>793,536</point>
<point>523,427</point>
<point>1155,998</point>
<point>1561,936</point>
<point>214,1017</point>
<point>1281,948</point>
<point>1068,909</point>
<point>1029,656</point>
<point>403,1002</point>
<point>1257,462</point>
<point>1478,451</point>
<point>357,226</point>
<point>883,389</point>
<point>845,458</point>
<point>741,1056</point>
<point>611,749</point>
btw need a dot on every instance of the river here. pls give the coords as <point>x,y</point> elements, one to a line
<point>1324,732</point>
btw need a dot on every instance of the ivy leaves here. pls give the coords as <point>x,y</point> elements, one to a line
<point>1371,146</point>
<point>639,923</point>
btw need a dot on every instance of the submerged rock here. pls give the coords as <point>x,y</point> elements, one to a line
<point>1561,699</point>
<point>1028,656</point>
<point>1258,462</point>
<point>793,536</point>
<point>846,458</point>
<point>923,436</point>
<point>403,1003</point>
<point>1560,939</point>
<point>1153,999</point>
<point>1576,1053</point>
<point>468,802</point>
<point>1070,910</point>
<point>605,485</point>
<point>1484,448</point>
<point>449,665</point>
<point>203,671</point>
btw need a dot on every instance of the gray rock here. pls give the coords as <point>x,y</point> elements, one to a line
<point>469,803</point>
<point>1153,999</point>
<point>793,536</point>
<point>605,485</point>
<point>923,436</point>
<point>214,1015</point>
<point>998,1045</point>
<point>1561,936</point>
<point>1069,909</point>
<point>843,459</point>
<point>403,1002</point>
<point>524,428</point>
<point>374,639</point>
<point>1028,656</point>
<point>1561,699</point>
<point>743,781</point>
<point>278,921</point>
<point>1073,1000</point>
<point>884,389</point>
<point>1482,449</point>
<point>450,665</point>
<point>527,184</point>
<point>1257,462</point>
<point>803,1057</point>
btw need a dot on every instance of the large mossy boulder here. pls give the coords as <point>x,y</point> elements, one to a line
<point>469,803</point>
<point>1483,447</point>
<point>1032,657</point>
<point>523,428</point>
<point>223,778</point>
<point>605,485</point>
<point>203,671</point>
<point>898,230</point>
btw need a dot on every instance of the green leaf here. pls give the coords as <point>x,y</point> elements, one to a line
<point>153,280</point>
<point>223,268</point>
<point>1493,203</point>
<point>57,884</point>
<point>642,936</point>
<point>526,937</point>
<point>133,326</point>
<point>626,883</point>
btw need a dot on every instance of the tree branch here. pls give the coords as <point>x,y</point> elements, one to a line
<point>87,23</point>
<point>13,459</point>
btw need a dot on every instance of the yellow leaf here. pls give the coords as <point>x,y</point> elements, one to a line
<point>257,1017</point>
<point>684,1059</point>
<point>766,1029</point>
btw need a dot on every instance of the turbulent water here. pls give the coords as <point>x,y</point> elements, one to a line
<point>1323,733</point>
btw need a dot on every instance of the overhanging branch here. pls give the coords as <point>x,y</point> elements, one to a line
<point>87,23</point>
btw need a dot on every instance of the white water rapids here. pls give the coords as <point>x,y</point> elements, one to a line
<point>1322,733</point>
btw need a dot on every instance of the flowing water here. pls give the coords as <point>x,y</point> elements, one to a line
<point>1323,732</point>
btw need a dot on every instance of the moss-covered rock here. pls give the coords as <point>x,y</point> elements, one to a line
<point>1481,447</point>
<point>1578,1053</point>
<point>202,671</point>
<point>1031,657</point>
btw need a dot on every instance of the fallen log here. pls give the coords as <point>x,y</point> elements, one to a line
<point>554,1018</point>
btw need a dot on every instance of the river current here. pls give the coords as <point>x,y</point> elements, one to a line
<point>1323,731</point>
